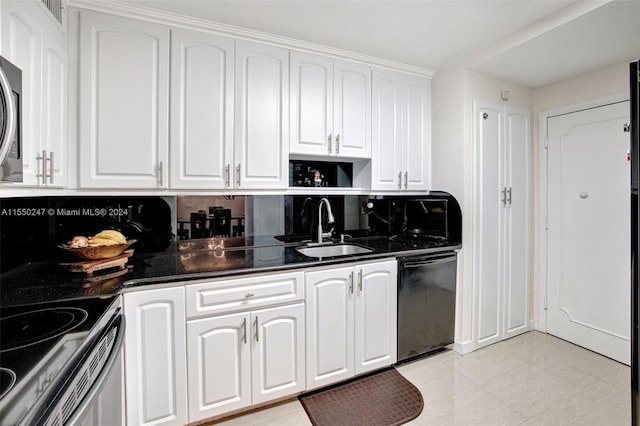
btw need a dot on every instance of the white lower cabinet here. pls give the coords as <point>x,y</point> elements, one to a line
<point>244,358</point>
<point>155,357</point>
<point>351,321</point>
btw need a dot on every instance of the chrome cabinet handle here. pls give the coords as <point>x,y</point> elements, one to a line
<point>256,328</point>
<point>504,196</point>
<point>238,174</point>
<point>249,295</point>
<point>244,330</point>
<point>399,180</point>
<point>41,160</point>
<point>227,180</point>
<point>509,195</point>
<point>329,142</point>
<point>406,180</point>
<point>50,160</point>
<point>360,280</point>
<point>160,173</point>
<point>337,144</point>
<point>351,283</point>
<point>10,115</point>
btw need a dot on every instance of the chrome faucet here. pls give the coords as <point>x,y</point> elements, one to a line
<point>330,219</point>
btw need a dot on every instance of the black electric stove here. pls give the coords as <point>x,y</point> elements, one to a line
<point>38,344</point>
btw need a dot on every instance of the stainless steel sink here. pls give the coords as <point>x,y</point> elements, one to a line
<point>333,250</point>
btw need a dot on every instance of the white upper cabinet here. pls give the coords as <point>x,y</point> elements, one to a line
<point>201,112</point>
<point>330,107</point>
<point>35,42</point>
<point>261,117</point>
<point>124,81</point>
<point>401,158</point>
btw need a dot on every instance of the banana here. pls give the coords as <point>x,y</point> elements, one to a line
<point>112,235</point>
<point>94,242</point>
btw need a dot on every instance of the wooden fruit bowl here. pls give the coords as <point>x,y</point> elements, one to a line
<point>98,252</point>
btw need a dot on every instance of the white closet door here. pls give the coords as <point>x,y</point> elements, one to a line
<point>516,213</point>
<point>489,121</point>
<point>589,235</point>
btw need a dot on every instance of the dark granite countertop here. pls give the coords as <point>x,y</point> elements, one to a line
<point>47,281</point>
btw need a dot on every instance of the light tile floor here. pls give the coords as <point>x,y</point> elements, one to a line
<point>531,379</point>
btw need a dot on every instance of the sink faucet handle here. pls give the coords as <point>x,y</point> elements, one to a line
<point>342,237</point>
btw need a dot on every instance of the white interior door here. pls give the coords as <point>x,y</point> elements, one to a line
<point>588,236</point>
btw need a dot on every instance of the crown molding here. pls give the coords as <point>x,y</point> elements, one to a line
<point>128,10</point>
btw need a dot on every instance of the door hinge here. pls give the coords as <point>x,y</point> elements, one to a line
<point>546,223</point>
<point>546,142</point>
<point>627,127</point>
<point>545,303</point>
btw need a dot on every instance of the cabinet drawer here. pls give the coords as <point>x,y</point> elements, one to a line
<point>230,295</point>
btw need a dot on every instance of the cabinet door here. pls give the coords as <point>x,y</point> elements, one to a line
<point>311,104</point>
<point>124,80</point>
<point>417,134</point>
<point>277,352</point>
<point>262,116</point>
<point>219,360</point>
<point>516,221</point>
<point>503,136</point>
<point>387,159</point>
<point>352,110</point>
<point>201,110</point>
<point>375,315</point>
<point>329,325</point>
<point>489,119</point>
<point>22,45</point>
<point>54,114</point>
<point>155,357</point>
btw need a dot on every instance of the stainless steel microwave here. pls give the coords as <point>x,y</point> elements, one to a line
<point>10,122</point>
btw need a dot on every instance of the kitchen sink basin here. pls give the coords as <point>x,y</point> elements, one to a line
<point>333,250</point>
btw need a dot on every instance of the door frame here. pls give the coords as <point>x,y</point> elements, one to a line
<point>541,280</point>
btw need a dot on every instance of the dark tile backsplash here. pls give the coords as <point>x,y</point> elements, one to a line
<point>31,228</point>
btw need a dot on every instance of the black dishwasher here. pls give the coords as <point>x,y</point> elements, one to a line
<point>426,303</point>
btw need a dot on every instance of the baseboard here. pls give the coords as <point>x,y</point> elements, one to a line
<point>463,348</point>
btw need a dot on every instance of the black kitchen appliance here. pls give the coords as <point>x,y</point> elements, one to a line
<point>56,359</point>
<point>635,240</point>
<point>10,122</point>
<point>426,303</point>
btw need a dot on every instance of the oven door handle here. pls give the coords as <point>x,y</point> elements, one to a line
<point>101,380</point>
<point>11,113</point>
<point>417,264</point>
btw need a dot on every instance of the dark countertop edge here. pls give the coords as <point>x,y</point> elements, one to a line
<point>139,284</point>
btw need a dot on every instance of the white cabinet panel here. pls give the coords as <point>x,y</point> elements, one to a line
<point>330,107</point>
<point>262,116</point>
<point>201,111</point>
<point>219,360</point>
<point>351,321</point>
<point>155,357</point>
<point>503,142</point>
<point>352,110</point>
<point>330,327</point>
<point>311,104</point>
<point>229,295</point>
<point>376,316</point>
<point>124,71</point>
<point>401,157</point>
<point>278,352</point>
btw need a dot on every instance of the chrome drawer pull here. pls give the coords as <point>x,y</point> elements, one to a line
<point>249,295</point>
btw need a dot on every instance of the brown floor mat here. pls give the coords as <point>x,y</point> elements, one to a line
<point>383,398</point>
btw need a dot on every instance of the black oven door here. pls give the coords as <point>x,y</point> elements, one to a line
<point>92,385</point>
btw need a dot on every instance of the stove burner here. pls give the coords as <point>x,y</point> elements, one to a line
<point>29,328</point>
<point>7,380</point>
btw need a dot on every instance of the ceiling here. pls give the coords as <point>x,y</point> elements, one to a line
<point>528,42</point>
